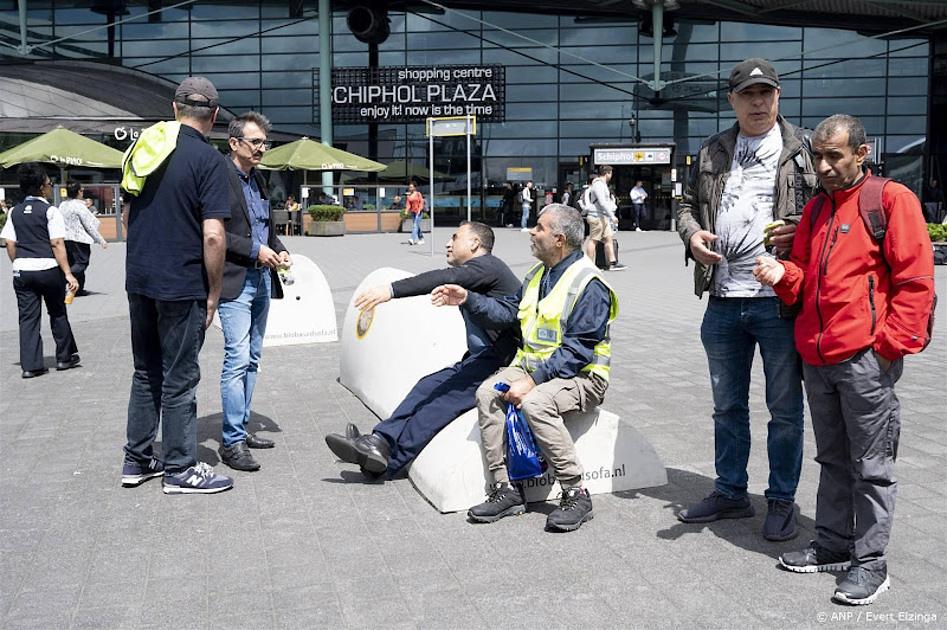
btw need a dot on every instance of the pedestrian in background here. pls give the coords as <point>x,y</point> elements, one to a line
<point>415,205</point>
<point>35,233</point>
<point>638,197</point>
<point>173,271</point>
<point>82,229</point>
<point>526,204</point>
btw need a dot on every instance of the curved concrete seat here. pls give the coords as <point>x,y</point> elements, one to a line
<point>451,474</point>
<point>387,350</point>
<point>306,314</point>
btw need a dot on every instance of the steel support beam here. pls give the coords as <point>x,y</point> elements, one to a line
<point>325,83</point>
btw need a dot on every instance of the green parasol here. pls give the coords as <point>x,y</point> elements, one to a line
<point>308,155</point>
<point>65,149</point>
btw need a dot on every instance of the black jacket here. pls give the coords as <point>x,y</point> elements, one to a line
<point>240,240</point>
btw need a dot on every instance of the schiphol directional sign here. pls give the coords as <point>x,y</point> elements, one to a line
<point>452,126</point>
<point>449,126</point>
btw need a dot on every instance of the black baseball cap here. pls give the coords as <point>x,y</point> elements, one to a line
<point>197,92</point>
<point>753,71</point>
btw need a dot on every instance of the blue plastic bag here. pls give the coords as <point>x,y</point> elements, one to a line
<point>523,460</point>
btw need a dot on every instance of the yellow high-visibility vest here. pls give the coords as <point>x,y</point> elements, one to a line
<point>147,153</point>
<point>541,321</point>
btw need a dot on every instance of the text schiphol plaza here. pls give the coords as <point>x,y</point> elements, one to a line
<point>414,93</point>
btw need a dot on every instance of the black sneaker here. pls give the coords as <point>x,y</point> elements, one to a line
<point>715,507</point>
<point>780,521</point>
<point>135,473</point>
<point>575,507</point>
<point>815,559</point>
<point>617,267</point>
<point>238,457</point>
<point>862,586</point>
<point>503,500</point>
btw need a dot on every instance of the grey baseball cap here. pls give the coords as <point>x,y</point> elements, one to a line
<point>197,92</point>
<point>751,72</point>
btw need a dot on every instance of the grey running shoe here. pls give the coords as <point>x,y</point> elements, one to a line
<point>575,507</point>
<point>862,586</point>
<point>815,559</point>
<point>780,521</point>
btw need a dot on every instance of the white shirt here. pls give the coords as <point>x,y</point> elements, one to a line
<point>527,197</point>
<point>57,229</point>
<point>81,225</point>
<point>745,208</point>
<point>638,194</point>
<point>601,204</point>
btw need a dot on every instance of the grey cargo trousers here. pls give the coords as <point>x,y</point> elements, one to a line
<point>856,418</point>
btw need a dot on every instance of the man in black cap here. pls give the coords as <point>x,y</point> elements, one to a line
<point>746,178</point>
<point>180,197</point>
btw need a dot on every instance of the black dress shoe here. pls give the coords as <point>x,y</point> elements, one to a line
<point>238,457</point>
<point>74,361</point>
<point>34,373</point>
<point>351,431</point>
<point>258,442</point>
<point>371,452</point>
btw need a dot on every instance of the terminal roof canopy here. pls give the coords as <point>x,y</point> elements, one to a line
<point>863,15</point>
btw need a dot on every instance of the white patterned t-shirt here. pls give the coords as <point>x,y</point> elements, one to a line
<point>745,208</point>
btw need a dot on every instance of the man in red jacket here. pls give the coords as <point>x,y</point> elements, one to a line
<point>865,305</point>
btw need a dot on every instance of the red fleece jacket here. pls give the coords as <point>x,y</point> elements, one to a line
<point>857,293</point>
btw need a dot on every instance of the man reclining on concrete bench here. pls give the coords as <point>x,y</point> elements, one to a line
<point>565,309</point>
<point>441,397</point>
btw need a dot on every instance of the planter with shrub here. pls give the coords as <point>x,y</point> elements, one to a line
<point>407,222</point>
<point>938,234</point>
<point>326,221</point>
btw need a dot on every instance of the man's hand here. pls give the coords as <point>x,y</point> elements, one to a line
<point>699,242</point>
<point>518,390</point>
<point>211,309</point>
<point>268,257</point>
<point>768,271</point>
<point>284,259</point>
<point>105,245</point>
<point>372,297</point>
<point>781,237</point>
<point>448,295</point>
<point>72,285</point>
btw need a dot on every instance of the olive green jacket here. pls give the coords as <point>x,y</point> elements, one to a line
<point>796,183</point>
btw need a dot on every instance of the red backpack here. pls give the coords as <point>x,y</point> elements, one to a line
<point>871,209</point>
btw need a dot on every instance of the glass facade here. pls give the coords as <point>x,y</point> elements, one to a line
<point>574,83</point>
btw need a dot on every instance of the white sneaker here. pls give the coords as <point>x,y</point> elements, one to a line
<point>524,229</point>
<point>637,229</point>
<point>421,242</point>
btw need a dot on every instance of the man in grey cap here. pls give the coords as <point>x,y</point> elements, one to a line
<point>746,178</point>
<point>180,196</point>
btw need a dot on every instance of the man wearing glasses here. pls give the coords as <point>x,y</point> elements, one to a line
<point>253,255</point>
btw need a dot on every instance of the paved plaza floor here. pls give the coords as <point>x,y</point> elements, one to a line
<point>303,543</point>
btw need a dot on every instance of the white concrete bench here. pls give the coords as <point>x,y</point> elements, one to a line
<point>408,338</point>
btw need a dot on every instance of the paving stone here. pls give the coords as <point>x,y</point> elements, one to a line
<point>305,543</point>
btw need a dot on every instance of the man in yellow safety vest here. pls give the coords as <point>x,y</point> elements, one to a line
<point>564,310</point>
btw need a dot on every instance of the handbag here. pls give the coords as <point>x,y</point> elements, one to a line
<point>523,460</point>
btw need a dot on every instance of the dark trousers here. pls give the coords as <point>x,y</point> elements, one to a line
<point>166,339</point>
<point>437,400</point>
<point>856,418</point>
<point>32,288</point>
<point>78,255</point>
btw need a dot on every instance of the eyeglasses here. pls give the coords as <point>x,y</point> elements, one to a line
<point>257,143</point>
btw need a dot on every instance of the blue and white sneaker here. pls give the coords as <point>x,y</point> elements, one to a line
<point>198,479</point>
<point>135,473</point>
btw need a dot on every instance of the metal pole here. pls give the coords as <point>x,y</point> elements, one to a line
<point>657,25</point>
<point>468,166</point>
<point>23,50</point>
<point>430,138</point>
<point>325,83</point>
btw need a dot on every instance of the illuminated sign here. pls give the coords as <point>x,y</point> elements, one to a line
<point>620,156</point>
<point>415,93</point>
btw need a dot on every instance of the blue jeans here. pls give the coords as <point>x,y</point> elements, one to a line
<point>525,218</point>
<point>166,340</point>
<point>730,332</point>
<point>416,234</point>
<point>243,320</point>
